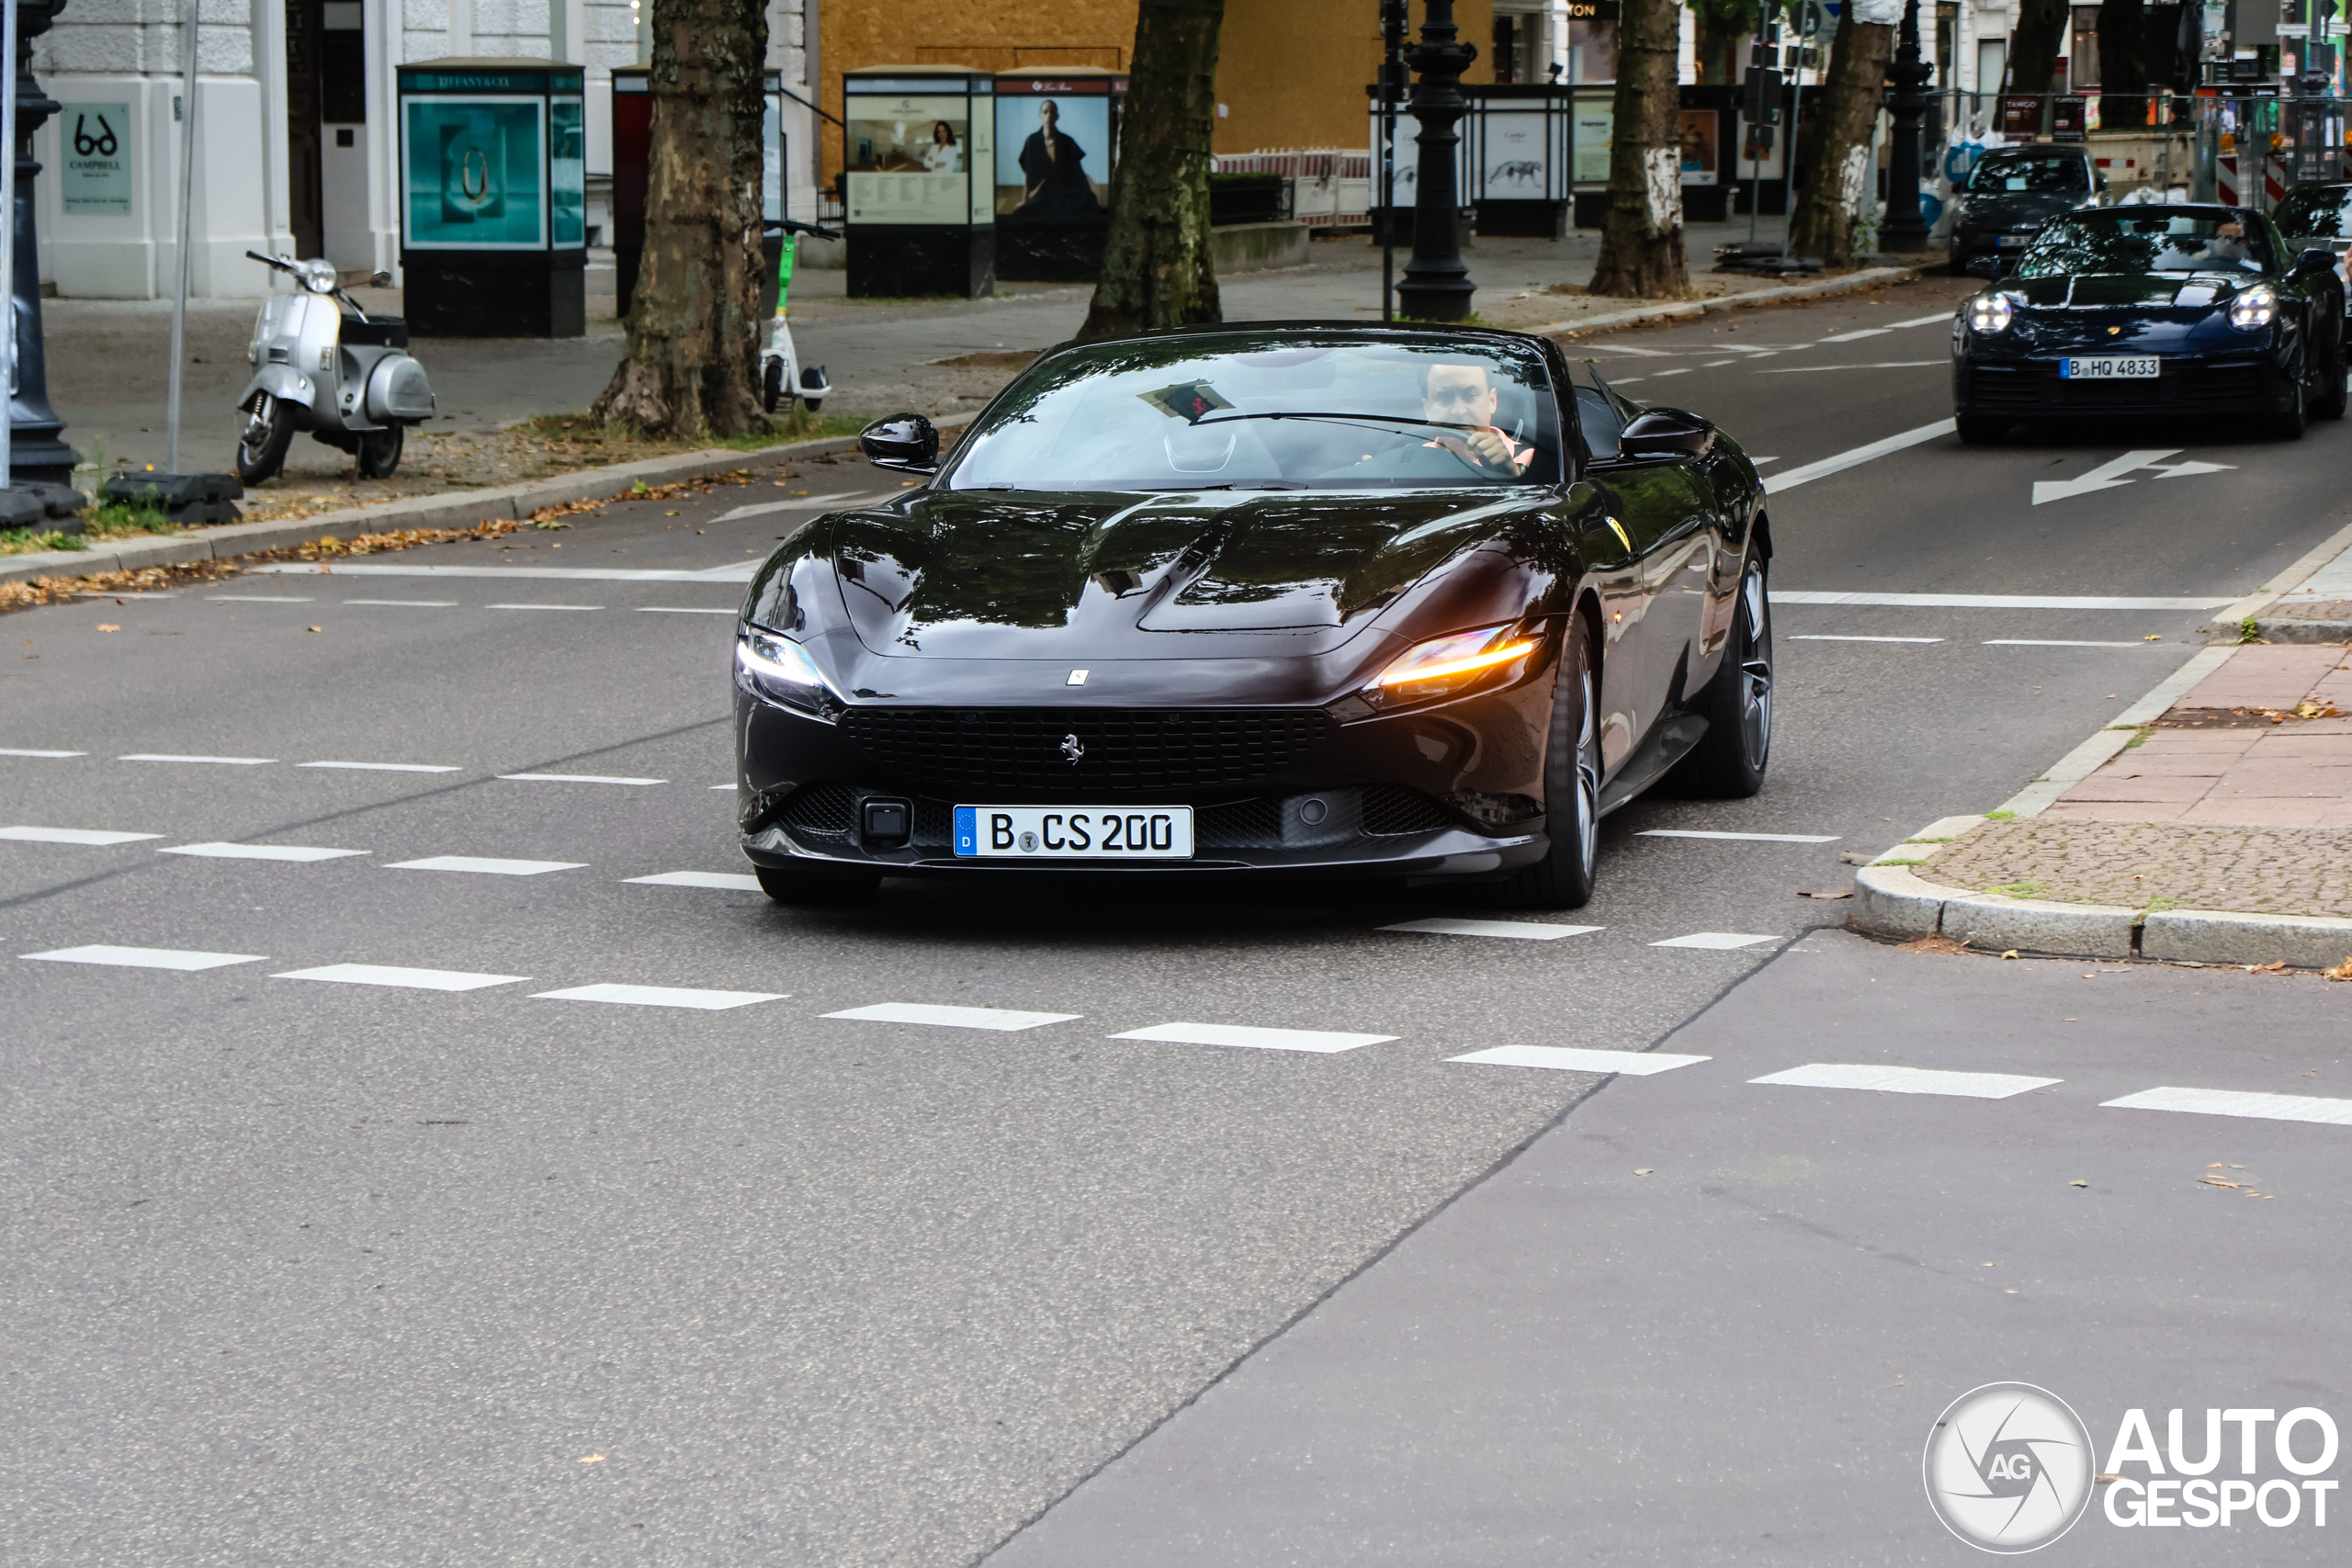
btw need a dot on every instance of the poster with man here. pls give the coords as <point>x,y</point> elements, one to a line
<point>1053,155</point>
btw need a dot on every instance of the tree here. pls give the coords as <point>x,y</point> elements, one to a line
<point>1641,242</point>
<point>1156,267</point>
<point>693,360</point>
<point>2123,64</point>
<point>1834,162</point>
<point>2041,39</point>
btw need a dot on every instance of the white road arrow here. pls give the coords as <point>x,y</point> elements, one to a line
<point>2110,475</point>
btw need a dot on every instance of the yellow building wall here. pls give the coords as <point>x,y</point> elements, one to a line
<point>1290,73</point>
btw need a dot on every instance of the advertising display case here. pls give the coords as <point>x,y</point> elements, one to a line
<point>632,144</point>
<point>1057,142</point>
<point>917,180</point>
<point>493,199</point>
<point>1515,138</point>
<point>1392,209</point>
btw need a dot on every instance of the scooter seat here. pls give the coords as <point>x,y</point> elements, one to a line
<point>376,331</point>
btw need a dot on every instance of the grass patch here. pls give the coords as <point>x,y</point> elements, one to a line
<point>2000,816</point>
<point>2248,631</point>
<point>1898,863</point>
<point>32,541</point>
<point>2141,735</point>
<point>2021,889</point>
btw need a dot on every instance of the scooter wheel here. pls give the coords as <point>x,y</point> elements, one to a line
<point>261,446</point>
<point>772,386</point>
<point>380,452</point>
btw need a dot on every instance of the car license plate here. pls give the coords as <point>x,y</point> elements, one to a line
<point>2011,242</point>
<point>2142,369</point>
<point>1074,832</point>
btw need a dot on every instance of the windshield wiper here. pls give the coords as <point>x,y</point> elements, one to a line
<point>1229,484</point>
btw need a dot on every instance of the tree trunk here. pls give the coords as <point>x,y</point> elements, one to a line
<point>1835,163</point>
<point>1641,243</point>
<point>2041,39</point>
<point>2123,65</point>
<point>1156,267</point>
<point>692,361</point>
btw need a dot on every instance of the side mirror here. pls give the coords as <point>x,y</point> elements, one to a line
<point>1665,433</point>
<point>904,442</point>
<point>2098,180</point>
<point>1987,267</point>
<point>2317,259</point>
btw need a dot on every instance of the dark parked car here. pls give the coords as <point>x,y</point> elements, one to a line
<point>2318,218</point>
<point>2011,193</point>
<point>2153,309</point>
<point>1298,597</point>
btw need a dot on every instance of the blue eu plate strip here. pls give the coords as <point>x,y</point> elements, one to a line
<point>968,831</point>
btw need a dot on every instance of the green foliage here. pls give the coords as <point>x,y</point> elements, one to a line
<point>27,541</point>
<point>2000,816</point>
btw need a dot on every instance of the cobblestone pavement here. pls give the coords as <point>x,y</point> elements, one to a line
<point>2157,865</point>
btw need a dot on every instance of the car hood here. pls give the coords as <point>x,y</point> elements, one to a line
<point>961,574</point>
<point>2121,291</point>
<point>2017,206</point>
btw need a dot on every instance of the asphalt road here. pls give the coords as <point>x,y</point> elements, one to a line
<point>452,1270</point>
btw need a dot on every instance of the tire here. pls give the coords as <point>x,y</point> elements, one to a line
<point>1563,879</point>
<point>1729,760</point>
<point>2289,426</point>
<point>261,446</point>
<point>1979,430</point>
<point>2333,402</point>
<point>772,393</point>
<point>380,452</point>
<point>817,889</point>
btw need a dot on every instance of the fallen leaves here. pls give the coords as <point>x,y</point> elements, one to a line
<point>2341,972</point>
<point>1933,944</point>
<point>2078,1184</point>
<point>2271,968</point>
<point>1848,893</point>
<point>108,627</point>
<point>2012,952</point>
<point>1855,857</point>
<point>314,628</point>
<point>1645,1170</point>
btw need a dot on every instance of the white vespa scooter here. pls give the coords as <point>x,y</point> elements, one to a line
<point>321,364</point>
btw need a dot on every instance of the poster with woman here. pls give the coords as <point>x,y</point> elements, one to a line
<point>907,160</point>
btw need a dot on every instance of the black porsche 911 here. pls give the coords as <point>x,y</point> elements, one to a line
<point>1294,597</point>
<point>2187,310</point>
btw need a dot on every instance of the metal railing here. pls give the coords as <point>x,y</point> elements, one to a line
<point>1330,187</point>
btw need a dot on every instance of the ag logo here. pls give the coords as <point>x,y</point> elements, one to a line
<point>2009,1468</point>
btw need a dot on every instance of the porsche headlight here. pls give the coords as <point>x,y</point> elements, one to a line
<point>781,672</point>
<point>1445,665</point>
<point>2254,307</point>
<point>1990,313</point>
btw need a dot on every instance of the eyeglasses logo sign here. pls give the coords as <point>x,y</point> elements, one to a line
<point>2009,1468</point>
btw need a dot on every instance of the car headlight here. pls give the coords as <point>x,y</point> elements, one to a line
<point>1990,313</point>
<point>2254,307</point>
<point>781,672</point>
<point>1445,665</point>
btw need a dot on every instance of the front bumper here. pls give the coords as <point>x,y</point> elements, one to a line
<point>2031,387</point>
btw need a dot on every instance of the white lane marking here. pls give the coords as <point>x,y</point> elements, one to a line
<point>1524,930</point>
<point>72,836</point>
<point>1662,375</point>
<point>1760,462</point>
<point>1942,318</point>
<point>542,606</point>
<point>1993,601</point>
<point>2110,475</point>
<point>578,778</point>
<point>487,867</point>
<point>687,610</point>
<point>258,599</point>
<point>518,573</point>
<point>1562,1059</point>
<point>1768,837</point>
<point>117,593</point>
<point>382,767</point>
<point>1711,363</point>
<point>2052,642</point>
<point>659,997</point>
<point>1856,336</point>
<point>2238,1102</point>
<point>21,751</point>
<point>806,502</point>
<point>406,979</point>
<point>1317,1040</point>
<point>1807,473</point>
<point>143,957</point>
<point>220,761</point>
<point>1870,365</point>
<point>1832,637</point>
<point>725,880</point>
<point>407,603</point>
<point>259,852</point>
<point>1625,381</point>
<point>1719,941</point>
<point>1002,1019</point>
<point>722,786</point>
<point>1905,1080</point>
<point>1643,352</point>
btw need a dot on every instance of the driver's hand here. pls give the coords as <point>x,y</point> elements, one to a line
<point>1488,445</point>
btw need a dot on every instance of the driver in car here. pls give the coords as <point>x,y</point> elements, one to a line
<point>1462,394</point>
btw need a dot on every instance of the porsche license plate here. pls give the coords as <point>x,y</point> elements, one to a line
<point>2110,368</point>
<point>1074,832</point>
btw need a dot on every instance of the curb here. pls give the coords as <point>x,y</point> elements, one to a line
<point>2229,626</point>
<point>506,502</point>
<point>1853,283</point>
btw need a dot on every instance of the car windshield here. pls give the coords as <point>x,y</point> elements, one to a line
<point>2085,243</point>
<point>2035,171</point>
<point>2316,212</point>
<point>1282,410</point>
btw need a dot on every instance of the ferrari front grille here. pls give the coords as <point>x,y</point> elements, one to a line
<point>1064,749</point>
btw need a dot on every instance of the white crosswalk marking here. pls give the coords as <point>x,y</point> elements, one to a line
<point>20,751</point>
<point>257,852</point>
<point>1990,601</point>
<point>1321,1040</point>
<point>1522,931</point>
<point>382,767</point>
<point>487,867</point>
<point>2238,1102</point>
<point>999,1019</point>
<point>726,881</point>
<point>1832,637</point>
<point>72,836</point>
<point>143,957</point>
<point>258,599</point>
<point>1905,1080</point>
<point>659,997</point>
<point>687,610</point>
<point>407,979</point>
<point>1720,941</point>
<point>218,761</point>
<point>1767,837</point>
<point>1565,1059</point>
<point>542,606</point>
<point>406,603</point>
<point>578,778</point>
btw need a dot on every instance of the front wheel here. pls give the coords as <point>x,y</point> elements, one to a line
<point>2289,426</point>
<point>1564,878</point>
<point>2334,395</point>
<point>380,451</point>
<point>1728,762</point>
<point>772,389</point>
<point>261,446</point>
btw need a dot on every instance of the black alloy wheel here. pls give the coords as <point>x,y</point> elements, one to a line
<point>380,451</point>
<point>1563,879</point>
<point>2334,394</point>
<point>811,890</point>
<point>1729,760</point>
<point>261,445</point>
<point>2289,424</point>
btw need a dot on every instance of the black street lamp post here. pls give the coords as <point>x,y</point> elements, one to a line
<point>35,451</point>
<point>1437,287</point>
<point>1907,102</point>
